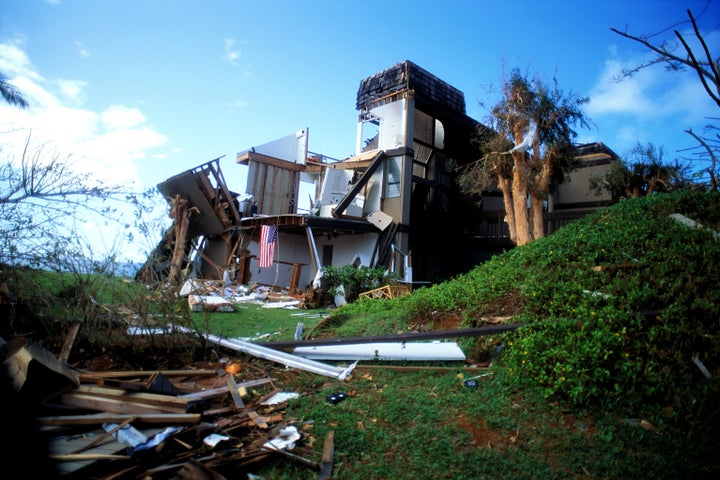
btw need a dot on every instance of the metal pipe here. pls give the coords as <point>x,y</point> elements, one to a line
<point>287,359</point>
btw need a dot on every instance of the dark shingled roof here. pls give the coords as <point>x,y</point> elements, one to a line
<point>408,76</point>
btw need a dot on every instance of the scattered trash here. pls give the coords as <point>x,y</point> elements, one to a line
<point>336,398</point>
<point>702,367</point>
<point>472,382</point>
<point>149,331</point>
<point>126,434</point>
<point>635,422</point>
<point>207,303</point>
<point>213,439</point>
<point>155,440</point>
<point>280,397</point>
<point>286,440</point>
<point>233,368</point>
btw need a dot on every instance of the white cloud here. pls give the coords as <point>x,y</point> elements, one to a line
<point>106,143</point>
<point>655,105</point>
<point>119,116</point>
<point>238,104</point>
<point>231,54</point>
<point>628,96</point>
<point>82,51</point>
<point>15,63</point>
<point>72,89</point>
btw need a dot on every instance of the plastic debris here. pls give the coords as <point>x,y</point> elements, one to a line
<point>286,440</point>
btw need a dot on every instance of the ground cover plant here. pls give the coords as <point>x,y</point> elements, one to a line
<point>613,373</point>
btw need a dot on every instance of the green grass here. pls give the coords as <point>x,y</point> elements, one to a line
<point>615,307</point>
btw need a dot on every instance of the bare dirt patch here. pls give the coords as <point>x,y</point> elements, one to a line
<point>483,436</point>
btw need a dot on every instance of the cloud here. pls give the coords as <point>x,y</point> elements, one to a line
<point>15,63</point>
<point>122,117</point>
<point>107,143</point>
<point>72,89</point>
<point>654,105</point>
<point>82,51</point>
<point>629,96</point>
<point>231,54</point>
<point>238,104</point>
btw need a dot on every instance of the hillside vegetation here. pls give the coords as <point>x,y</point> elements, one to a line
<point>613,373</point>
<point>621,311</point>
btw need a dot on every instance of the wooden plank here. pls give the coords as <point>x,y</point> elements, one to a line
<point>170,401</point>
<point>221,391</point>
<point>327,456</point>
<point>234,392</point>
<point>115,405</point>
<point>257,419</point>
<point>33,369</point>
<point>74,457</point>
<point>100,418</point>
<point>92,377</point>
<point>69,341</point>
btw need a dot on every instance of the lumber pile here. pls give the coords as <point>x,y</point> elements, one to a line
<point>211,423</point>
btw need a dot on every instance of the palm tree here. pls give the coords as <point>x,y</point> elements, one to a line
<point>11,94</point>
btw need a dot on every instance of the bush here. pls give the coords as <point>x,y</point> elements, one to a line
<point>354,280</point>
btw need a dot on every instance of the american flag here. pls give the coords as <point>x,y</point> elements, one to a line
<point>268,239</point>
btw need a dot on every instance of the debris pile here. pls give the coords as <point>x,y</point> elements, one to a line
<point>182,424</point>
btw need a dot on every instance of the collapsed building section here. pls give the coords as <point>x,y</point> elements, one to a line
<point>394,204</point>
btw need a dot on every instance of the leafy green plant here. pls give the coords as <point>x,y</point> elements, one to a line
<point>351,281</point>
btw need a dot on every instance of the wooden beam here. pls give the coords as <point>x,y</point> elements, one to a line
<point>100,418</point>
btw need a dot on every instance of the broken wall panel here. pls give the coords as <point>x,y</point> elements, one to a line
<point>205,189</point>
<point>273,184</point>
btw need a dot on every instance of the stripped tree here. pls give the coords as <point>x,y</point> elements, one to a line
<point>538,119</point>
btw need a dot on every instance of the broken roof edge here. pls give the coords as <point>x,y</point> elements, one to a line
<point>594,148</point>
<point>408,76</point>
<point>289,222</point>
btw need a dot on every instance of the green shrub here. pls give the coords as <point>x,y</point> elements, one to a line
<point>355,280</point>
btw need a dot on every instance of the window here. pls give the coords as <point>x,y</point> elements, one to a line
<point>393,177</point>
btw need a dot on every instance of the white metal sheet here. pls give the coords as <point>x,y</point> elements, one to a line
<point>416,351</point>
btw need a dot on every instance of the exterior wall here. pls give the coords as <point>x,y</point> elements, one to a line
<point>575,192</point>
<point>293,248</point>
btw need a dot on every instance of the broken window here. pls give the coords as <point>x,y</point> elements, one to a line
<point>369,132</point>
<point>393,167</point>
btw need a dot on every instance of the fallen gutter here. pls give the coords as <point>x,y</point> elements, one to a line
<point>286,359</point>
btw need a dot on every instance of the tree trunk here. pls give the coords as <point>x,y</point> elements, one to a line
<point>181,219</point>
<point>519,194</point>
<point>504,184</point>
<point>539,194</point>
<point>538,216</point>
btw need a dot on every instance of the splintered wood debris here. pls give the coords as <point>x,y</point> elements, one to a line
<point>213,423</point>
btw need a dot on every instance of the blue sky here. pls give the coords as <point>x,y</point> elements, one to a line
<point>138,91</point>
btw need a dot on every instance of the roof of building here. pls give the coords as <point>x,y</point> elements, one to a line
<point>407,76</point>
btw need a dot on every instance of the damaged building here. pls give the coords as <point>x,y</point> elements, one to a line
<point>394,204</point>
